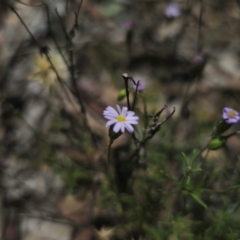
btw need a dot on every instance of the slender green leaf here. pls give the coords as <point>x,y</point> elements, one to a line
<point>196,198</point>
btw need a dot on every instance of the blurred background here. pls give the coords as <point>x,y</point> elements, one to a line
<point>53,140</point>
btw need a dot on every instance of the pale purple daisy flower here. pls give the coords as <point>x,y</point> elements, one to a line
<point>172,10</point>
<point>121,119</point>
<point>230,115</point>
<point>141,85</point>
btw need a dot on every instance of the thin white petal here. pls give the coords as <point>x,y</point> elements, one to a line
<point>111,112</point>
<point>108,110</point>
<point>135,118</point>
<point>132,122</point>
<point>119,110</point>
<point>130,113</point>
<point>129,127</point>
<point>109,117</point>
<point>124,111</point>
<point>123,128</point>
<point>117,127</point>
<point>111,122</point>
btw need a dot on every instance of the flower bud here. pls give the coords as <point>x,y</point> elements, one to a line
<point>216,143</point>
<point>220,127</point>
<point>121,94</point>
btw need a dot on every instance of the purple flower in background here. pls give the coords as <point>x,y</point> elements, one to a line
<point>200,57</point>
<point>230,115</point>
<point>121,119</point>
<point>197,60</point>
<point>141,85</point>
<point>129,26</point>
<point>172,10</point>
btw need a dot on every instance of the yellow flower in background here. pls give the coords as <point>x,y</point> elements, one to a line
<point>105,233</point>
<point>43,71</point>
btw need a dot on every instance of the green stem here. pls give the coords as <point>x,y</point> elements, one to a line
<point>220,190</point>
<point>126,77</point>
<point>135,95</point>
<point>108,154</point>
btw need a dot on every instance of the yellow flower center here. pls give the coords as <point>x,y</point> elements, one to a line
<point>232,114</point>
<point>121,118</point>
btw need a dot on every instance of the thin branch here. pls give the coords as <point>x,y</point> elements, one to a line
<point>31,5</point>
<point>200,27</point>
<point>135,95</point>
<point>29,32</point>
<point>126,77</point>
<point>71,67</point>
<point>219,190</point>
<point>67,1</point>
<point>75,27</point>
<point>53,37</point>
